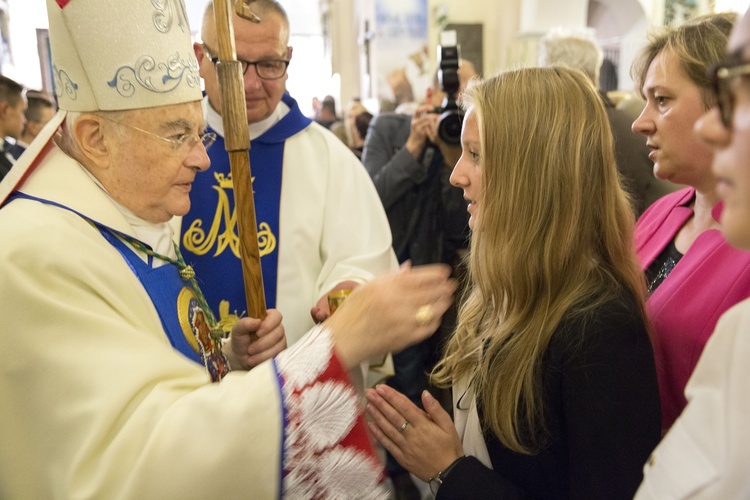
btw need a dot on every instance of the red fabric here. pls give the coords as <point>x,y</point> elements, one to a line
<point>62,3</point>
<point>303,464</point>
<point>358,436</point>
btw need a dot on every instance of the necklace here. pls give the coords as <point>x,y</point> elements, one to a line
<point>186,272</point>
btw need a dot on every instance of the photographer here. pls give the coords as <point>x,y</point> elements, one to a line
<point>410,167</point>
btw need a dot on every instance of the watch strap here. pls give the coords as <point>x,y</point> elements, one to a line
<point>437,480</point>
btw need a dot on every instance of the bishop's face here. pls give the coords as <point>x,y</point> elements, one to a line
<point>150,172</point>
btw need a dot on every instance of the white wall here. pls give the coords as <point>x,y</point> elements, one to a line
<point>345,59</point>
<point>467,12</point>
<point>538,16</point>
<point>25,17</point>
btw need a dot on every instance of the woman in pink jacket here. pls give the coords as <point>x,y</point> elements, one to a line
<point>692,274</point>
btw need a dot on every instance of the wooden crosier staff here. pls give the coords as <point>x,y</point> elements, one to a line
<point>237,144</point>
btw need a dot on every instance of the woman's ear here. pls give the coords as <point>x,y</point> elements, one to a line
<point>89,134</point>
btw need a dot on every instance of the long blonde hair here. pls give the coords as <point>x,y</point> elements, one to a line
<point>554,240</point>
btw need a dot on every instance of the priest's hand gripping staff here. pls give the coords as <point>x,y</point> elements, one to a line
<point>237,143</point>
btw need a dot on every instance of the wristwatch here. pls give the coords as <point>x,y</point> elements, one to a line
<point>437,480</point>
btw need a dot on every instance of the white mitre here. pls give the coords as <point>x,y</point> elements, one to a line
<point>114,55</point>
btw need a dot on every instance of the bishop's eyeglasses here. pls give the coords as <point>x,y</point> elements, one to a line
<point>186,140</point>
<point>723,76</point>
<point>267,69</point>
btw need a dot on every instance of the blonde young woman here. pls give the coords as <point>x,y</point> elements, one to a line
<point>554,385</point>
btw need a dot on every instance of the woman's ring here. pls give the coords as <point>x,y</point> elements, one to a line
<point>403,426</point>
<point>424,315</point>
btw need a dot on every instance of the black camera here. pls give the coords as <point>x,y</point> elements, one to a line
<point>451,116</point>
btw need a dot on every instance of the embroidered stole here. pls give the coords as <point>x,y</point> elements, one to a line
<point>181,315</point>
<point>209,240</point>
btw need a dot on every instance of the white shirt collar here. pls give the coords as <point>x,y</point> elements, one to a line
<point>255,130</point>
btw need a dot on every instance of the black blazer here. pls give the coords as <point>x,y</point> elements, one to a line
<point>602,415</point>
<point>5,165</point>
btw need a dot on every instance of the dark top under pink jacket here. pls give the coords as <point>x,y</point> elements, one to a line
<point>709,279</point>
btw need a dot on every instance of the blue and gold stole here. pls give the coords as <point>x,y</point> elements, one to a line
<point>185,323</point>
<point>209,240</point>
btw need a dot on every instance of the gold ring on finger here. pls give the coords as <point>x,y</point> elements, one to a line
<point>424,315</point>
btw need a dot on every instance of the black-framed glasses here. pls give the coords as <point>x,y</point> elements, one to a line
<point>267,69</point>
<point>722,76</point>
<point>187,140</point>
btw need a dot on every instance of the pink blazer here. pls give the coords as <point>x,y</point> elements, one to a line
<point>709,279</point>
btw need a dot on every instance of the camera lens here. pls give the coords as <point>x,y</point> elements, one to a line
<point>449,127</point>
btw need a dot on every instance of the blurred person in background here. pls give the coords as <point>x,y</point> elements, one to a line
<point>353,139</point>
<point>361,125</point>
<point>12,120</point>
<point>558,48</point>
<point>39,110</point>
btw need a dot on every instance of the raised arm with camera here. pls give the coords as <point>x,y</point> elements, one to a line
<point>410,164</point>
<point>400,149</point>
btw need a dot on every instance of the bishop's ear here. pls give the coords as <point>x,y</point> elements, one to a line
<point>89,133</point>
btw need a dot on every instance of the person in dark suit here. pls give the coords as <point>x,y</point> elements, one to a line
<point>12,119</point>
<point>39,110</point>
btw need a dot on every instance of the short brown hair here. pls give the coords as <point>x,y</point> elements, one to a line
<point>697,43</point>
<point>10,91</point>
<point>35,103</point>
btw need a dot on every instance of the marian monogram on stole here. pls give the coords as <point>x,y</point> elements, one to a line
<point>223,230</point>
<point>222,235</point>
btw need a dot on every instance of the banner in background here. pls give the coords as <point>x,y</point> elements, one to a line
<point>403,68</point>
